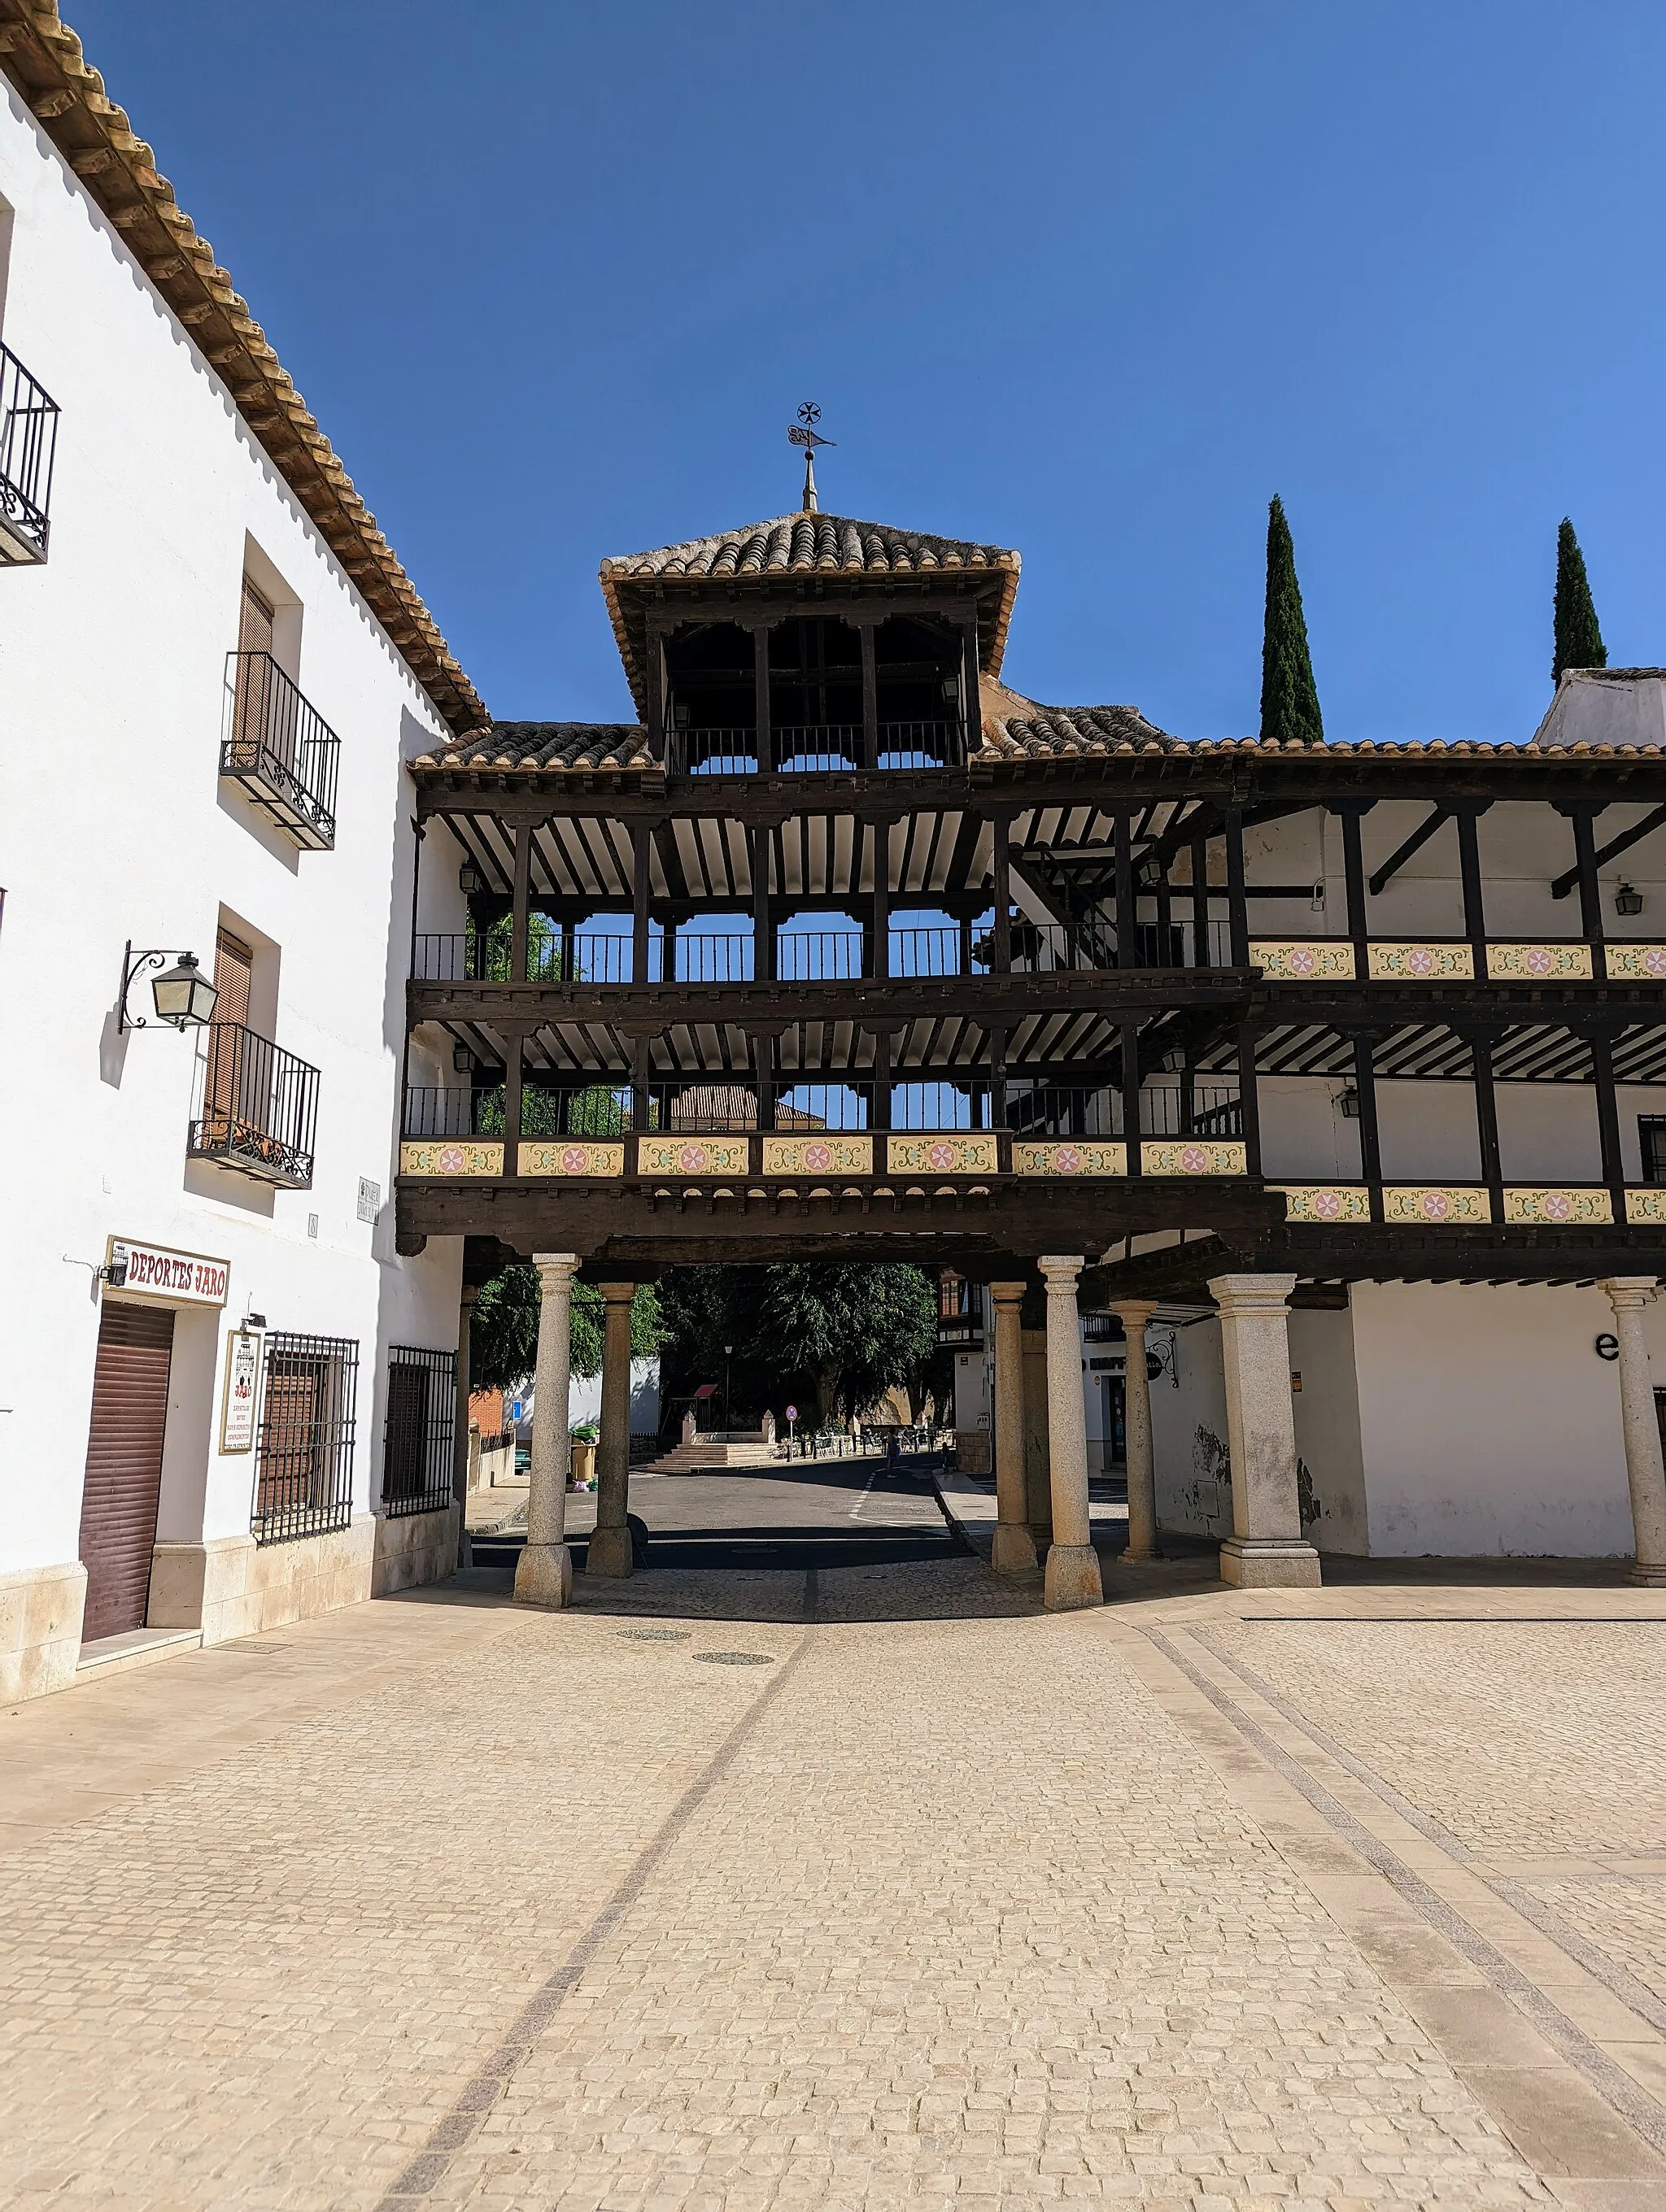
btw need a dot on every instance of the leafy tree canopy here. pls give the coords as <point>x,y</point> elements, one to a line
<point>504,1336</point>
<point>1289,698</point>
<point>1578,640</point>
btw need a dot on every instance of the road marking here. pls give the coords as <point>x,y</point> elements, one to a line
<point>862,1500</point>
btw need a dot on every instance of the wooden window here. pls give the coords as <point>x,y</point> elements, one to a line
<point>304,1472</point>
<point>251,709</point>
<point>1651,1143</point>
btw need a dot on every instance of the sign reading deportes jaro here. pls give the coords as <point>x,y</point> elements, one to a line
<point>151,1271</point>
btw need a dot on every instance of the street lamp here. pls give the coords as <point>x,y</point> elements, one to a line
<point>1628,900</point>
<point>728,1405</point>
<point>183,996</point>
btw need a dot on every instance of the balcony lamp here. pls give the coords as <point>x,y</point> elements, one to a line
<point>1349,1102</point>
<point>470,879</point>
<point>462,1060</point>
<point>183,996</point>
<point>1628,900</point>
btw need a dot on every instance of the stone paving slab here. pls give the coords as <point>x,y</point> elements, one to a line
<point>870,1888</point>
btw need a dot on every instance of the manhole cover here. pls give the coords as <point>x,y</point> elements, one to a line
<point>657,1635</point>
<point>736,1658</point>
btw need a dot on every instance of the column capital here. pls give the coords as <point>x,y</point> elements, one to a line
<point>1251,1294</point>
<point>1137,1310</point>
<point>1007,1294</point>
<point>1064,1267</point>
<point>554,1268</point>
<point>1628,1293</point>
<point>616,1294</point>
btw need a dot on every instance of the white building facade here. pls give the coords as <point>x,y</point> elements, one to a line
<point>228,1401</point>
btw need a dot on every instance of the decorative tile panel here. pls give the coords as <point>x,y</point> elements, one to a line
<point>829,1154</point>
<point>1325,1202</point>
<point>948,1154</point>
<point>1081,1156</point>
<point>692,1156</point>
<point>1539,964</point>
<point>1538,1203</point>
<point>1446,1202</point>
<point>1194,1156</point>
<point>576,1155</point>
<point>1306,960</point>
<point>1646,1209</point>
<point>1637,964</point>
<point>1422,964</point>
<point>452,1155</point>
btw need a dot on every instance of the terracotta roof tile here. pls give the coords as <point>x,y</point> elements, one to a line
<point>801,545</point>
<point>1059,732</point>
<point>544,746</point>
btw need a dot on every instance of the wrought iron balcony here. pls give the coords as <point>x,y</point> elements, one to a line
<point>29,440</point>
<point>281,750</point>
<point>257,1109</point>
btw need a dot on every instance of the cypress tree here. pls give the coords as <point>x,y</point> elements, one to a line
<point>1289,701</point>
<point>1579,640</point>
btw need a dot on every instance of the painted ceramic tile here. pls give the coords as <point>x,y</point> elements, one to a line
<point>1538,964</point>
<point>1318,1201</point>
<point>1637,964</point>
<point>578,1156</point>
<point>1194,1156</point>
<point>943,1154</point>
<point>1436,1202</point>
<point>1422,964</point>
<point>1308,960</point>
<point>452,1155</point>
<point>817,1155</point>
<point>1646,1208</point>
<point>1084,1156</point>
<point>693,1156</point>
<point>1538,1203</point>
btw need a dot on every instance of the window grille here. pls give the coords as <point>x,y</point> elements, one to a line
<point>1651,1141</point>
<point>419,1440</point>
<point>303,1477</point>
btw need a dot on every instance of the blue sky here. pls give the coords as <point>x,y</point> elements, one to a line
<point>1090,280</point>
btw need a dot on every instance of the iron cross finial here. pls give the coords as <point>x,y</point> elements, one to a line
<point>804,433</point>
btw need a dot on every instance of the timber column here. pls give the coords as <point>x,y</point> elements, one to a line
<point>544,1574</point>
<point>1014,1549</point>
<point>1073,1565</point>
<point>1136,1421</point>
<point>610,1547</point>
<point>1628,1295</point>
<point>1267,1549</point>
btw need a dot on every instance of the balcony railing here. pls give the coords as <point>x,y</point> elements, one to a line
<point>28,443</point>
<point>281,750</point>
<point>813,748</point>
<point>258,1111</point>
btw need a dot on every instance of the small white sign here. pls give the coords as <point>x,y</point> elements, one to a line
<point>242,1385</point>
<point>151,1271</point>
<point>370,1199</point>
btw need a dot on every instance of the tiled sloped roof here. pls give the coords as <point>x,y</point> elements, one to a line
<point>546,745</point>
<point>1056,732</point>
<point>808,544</point>
<point>43,58</point>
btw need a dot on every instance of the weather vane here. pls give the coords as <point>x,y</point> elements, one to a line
<point>803,433</point>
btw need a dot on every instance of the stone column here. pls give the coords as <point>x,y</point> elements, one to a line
<point>1014,1551</point>
<point>544,1576</point>
<point>1136,1418</point>
<point>1267,1549</point>
<point>610,1547</point>
<point>1628,1295</point>
<point>1073,1565</point>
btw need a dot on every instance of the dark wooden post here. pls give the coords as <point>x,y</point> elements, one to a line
<point>1371,1148</point>
<point>1608,1122</point>
<point>569,949</point>
<point>523,876</point>
<point>870,698</point>
<point>1128,931</point>
<point>881,900</point>
<point>514,1049</point>
<point>1487,1112</point>
<point>660,737</point>
<point>1131,1086</point>
<point>1237,903</point>
<point>766,750</point>
<point>642,845</point>
<point>998,1078</point>
<point>1249,1097</point>
<point>638,1067</point>
<point>1188,1093</point>
<point>1474,911</point>
<point>879,1117</point>
<point>971,736</point>
<point>1002,869</point>
<point>668,951</point>
<point>965,968</point>
<point>763,929</point>
<point>763,1074</point>
<point>1353,875</point>
<point>1201,950</point>
<point>1590,898</point>
<point>1164,917</point>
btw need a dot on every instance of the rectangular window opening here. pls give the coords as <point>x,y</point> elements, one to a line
<point>303,1480</point>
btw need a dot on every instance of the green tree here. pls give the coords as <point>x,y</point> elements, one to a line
<point>504,1335</point>
<point>489,950</point>
<point>1289,699</point>
<point>1578,640</point>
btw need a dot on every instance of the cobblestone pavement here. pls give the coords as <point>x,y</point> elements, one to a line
<point>866,1888</point>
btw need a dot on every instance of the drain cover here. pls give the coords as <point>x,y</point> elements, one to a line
<point>736,1658</point>
<point>657,1635</point>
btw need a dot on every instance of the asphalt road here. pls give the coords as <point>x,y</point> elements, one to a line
<point>841,1513</point>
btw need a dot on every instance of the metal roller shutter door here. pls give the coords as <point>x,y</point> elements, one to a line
<point>124,1465</point>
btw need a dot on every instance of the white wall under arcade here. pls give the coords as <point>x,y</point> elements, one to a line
<point>115,825</point>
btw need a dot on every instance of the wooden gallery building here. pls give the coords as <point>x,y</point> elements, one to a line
<point>1338,1074</point>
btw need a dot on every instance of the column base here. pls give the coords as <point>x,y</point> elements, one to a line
<point>1646,1576</point>
<point>1270,1563</point>
<point>1073,1577</point>
<point>1128,1557</point>
<point>1013,1550</point>
<point>609,1552</point>
<point>544,1576</point>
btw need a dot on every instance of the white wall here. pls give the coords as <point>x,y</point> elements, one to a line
<point>1189,1436</point>
<point>113,825</point>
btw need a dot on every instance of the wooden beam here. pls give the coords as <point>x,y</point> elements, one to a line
<point>1652,821</point>
<point>1413,844</point>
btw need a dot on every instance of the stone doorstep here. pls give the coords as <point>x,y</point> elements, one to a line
<point>136,1647</point>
